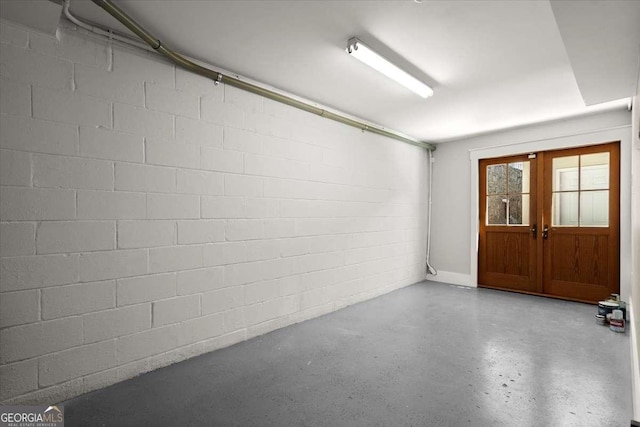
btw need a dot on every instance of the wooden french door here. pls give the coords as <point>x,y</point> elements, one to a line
<point>549,223</point>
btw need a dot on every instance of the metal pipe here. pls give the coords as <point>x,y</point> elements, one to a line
<point>186,63</point>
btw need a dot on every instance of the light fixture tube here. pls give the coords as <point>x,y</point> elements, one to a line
<point>362,52</point>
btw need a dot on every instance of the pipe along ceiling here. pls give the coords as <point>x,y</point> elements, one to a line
<point>218,77</point>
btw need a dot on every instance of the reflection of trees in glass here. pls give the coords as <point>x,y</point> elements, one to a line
<point>497,185</point>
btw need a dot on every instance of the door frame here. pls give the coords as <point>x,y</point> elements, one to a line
<point>618,133</point>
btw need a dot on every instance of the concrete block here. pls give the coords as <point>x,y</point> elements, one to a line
<point>146,234</point>
<point>199,182</point>
<point>200,231</point>
<point>18,308</point>
<point>201,328</point>
<point>36,339</point>
<point>234,320</point>
<point>275,268</point>
<point>259,250</point>
<point>63,301</point>
<point>171,101</point>
<point>78,109</point>
<point>76,362</point>
<point>18,238</point>
<point>112,265</point>
<point>201,280</point>
<point>27,134</point>
<point>32,272</point>
<point>72,172</point>
<point>198,132</point>
<point>247,101</point>
<point>15,168</point>
<point>111,205</point>
<point>137,65</point>
<point>174,310</point>
<point>102,143</point>
<point>279,228</point>
<point>242,140</point>
<point>261,208</point>
<point>145,178</point>
<point>168,153</point>
<point>75,236</point>
<point>198,85</point>
<point>240,274</point>
<point>244,229</point>
<point>295,246</point>
<point>275,167</point>
<point>80,49</point>
<point>30,67</point>
<point>221,160</point>
<point>147,343</point>
<point>108,85</point>
<point>18,378</point>
<point>146,288</point>
<point>142,122</point>
<point>224,253</point>
<point>13,35</point>
<point>119,322</point>
<point>175,258</point>
<point>288,149</point>
<point>214,111</point>
<point>173,206</point>
<point>16,98</point>
<point>222,300</point>
<point>222,207</point>
<point>28,204</point>
<point>242,185</point>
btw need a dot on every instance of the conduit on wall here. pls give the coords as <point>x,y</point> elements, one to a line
<point>216,76</point>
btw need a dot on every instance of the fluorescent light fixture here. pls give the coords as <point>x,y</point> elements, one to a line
<point>364,53</point>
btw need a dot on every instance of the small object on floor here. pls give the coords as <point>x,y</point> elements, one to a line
<point>617,321</point>
<point>605,308</point>
<point>600,319</point>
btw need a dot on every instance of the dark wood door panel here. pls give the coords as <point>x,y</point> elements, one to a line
<point>580,258</point>
<point>508,253</point>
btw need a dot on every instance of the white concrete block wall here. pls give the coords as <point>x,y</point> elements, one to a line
<point>148,216</point>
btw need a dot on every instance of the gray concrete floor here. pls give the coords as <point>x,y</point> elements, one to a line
<point>426,355</point>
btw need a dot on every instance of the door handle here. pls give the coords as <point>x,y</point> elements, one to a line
<point>534,230</point>
<point>545,232</point>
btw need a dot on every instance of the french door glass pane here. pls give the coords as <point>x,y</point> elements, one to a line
<point>565,209</point>
<point>594,208</point>
<point>518,177</point>
<point>497,179</point>
<point>497,210</point>
<point>594,171</point>
<point>565,173</point>
<point>519,209</point>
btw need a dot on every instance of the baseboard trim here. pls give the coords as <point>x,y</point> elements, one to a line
<point>453,278</point>
<point>635,362</point>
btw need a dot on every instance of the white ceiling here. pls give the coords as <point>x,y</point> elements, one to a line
<point>492,64</point>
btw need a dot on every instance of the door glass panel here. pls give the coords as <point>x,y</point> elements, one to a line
<point>565,209</point>
<point>519,209</point>
<point>497,179</point>
<point>497,210</point>
<point>518,177</point>
<point>594,208</point>
<point>594,171</point>
<point>565,173</point>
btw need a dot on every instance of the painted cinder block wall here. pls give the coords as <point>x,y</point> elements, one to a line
<point>148,216</point>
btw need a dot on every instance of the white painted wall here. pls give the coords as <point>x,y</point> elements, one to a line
<point>455,193</point>
<point>635,252</point>
<point>148,216</point>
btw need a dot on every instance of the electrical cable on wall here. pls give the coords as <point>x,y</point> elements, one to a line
<point>430,269</point>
